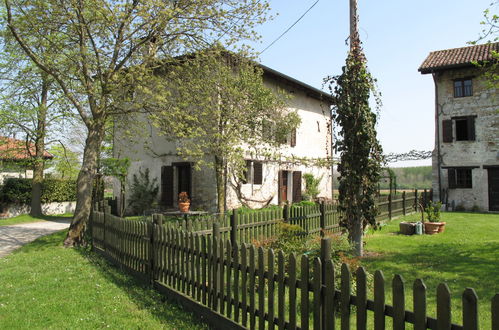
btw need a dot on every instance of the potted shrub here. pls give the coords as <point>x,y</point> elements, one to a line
<point>183,202</point>
<point>433,225</point>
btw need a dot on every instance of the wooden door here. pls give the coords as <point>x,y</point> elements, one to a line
<point>184,179</point>
<point>167,186</point>
<point>283,186</point>
<point>493,174</point>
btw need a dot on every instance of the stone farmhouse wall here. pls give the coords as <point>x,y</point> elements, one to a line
<point>477,154</point>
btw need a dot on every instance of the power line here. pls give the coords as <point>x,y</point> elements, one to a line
<point>287,30</point>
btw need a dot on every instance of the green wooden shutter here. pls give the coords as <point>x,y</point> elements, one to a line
<point>167,185</point>
<point>451,173</point>
<point>257,173</point>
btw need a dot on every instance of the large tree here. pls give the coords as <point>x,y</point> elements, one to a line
<point>222,112</point>
<point>29,106</point>
<point>98,47</point>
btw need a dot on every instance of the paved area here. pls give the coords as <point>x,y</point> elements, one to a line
<point>13,237</point>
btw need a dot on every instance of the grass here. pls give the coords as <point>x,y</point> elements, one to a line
<point>45,286</point>
<point>465,255</point>
<point>26,218</point>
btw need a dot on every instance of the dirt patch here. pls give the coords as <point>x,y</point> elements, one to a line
<point>371,255</point>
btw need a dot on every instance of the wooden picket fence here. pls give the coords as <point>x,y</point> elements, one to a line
<point>234,285</point>
<point>319,218</point>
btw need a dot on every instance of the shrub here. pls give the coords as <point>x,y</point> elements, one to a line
<point>432,211</point>
<point>18,191</point>
<point>311,186</point>
<point>143,192</point>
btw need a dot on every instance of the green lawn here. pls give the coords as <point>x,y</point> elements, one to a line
<point>45,286</point>
<point>26,218</point>
<point>465,255</point>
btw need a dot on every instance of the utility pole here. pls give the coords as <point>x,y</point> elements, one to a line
<point>354,36</point>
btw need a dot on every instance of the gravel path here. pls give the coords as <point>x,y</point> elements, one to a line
<point>13,237</point>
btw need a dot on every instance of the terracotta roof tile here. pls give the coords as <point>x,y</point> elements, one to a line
<point>457,57</point>
<point>13,149</point>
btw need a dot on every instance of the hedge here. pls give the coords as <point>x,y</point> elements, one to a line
<point>18,191</point>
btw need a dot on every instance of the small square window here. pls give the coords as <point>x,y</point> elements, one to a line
<point>463,87</point>
<point>460,178</point>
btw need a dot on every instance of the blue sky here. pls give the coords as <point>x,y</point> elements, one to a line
<point>397,36</point>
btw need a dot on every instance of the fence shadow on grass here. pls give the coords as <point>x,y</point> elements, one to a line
<point>142,294</point>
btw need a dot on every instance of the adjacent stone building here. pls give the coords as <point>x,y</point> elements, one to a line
<point>267,182</point>
<point>466,155</point>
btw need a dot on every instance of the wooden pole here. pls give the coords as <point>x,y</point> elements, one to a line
<point>353,24</point>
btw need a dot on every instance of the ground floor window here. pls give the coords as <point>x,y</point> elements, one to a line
<point>460,178</point>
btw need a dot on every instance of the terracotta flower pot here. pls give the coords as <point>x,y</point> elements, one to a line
<point>431,228</point>
<point>184,207</point>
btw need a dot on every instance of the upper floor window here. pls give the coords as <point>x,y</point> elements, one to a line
<point>465,129</point>
<point>463,87</point>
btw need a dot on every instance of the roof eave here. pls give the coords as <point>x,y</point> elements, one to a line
<point>445,67</point>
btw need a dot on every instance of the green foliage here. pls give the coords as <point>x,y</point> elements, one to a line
<point>432,211</point>
<point>66,163</point>
<point>117,167</point>
<point>417,177</point>
<point>144,192</point>
<point>18,191</point>
<point>360,151</point>
<point>311,186</point>
<point>220,98</point>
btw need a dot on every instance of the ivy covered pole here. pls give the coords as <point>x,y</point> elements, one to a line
<point>360,152</point>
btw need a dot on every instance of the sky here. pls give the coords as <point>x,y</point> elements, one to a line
<point>397,36</point>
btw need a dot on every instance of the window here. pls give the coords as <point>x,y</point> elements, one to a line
<point>465,129</point>
<point>463,87</point>
<point>459,177</point>
<point>254,172</point>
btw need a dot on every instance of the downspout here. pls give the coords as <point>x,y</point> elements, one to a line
<point>437,136</point>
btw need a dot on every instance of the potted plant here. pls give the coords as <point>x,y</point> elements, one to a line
<point>184,202</point>
<point>433,225</point>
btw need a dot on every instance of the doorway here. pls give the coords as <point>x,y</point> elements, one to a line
<point>493,174</point>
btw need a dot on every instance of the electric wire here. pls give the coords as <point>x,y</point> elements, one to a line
<point>289,28</point>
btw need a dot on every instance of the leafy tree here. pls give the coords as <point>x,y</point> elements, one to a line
<point>28,104</point>
<point>490,33</point>
<point>66,163</point>
<point>218,108</point>
<point>99,48</point>
<point>360,151</point>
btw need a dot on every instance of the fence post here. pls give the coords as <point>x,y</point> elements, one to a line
<point>106,210</point>
<point>286,212</point>
<point>233,226</point>
<point>425,198</point>
<point>214,277</point>
<point>325,258</point>
<point>416,203</point>
<point>390,207</point>
<point>322,209</point>
<point>403,203</point>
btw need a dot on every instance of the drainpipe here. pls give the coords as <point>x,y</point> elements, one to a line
<point>437,136</point>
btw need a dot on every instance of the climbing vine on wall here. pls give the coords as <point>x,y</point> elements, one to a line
<point>360,152</point>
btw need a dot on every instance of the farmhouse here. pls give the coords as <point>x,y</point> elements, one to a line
<point>14,157</point>
<point>268,181</point>
<point>466,155</point>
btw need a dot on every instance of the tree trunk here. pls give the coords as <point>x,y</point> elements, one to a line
<point>85,184</point>
<point>355,237</point>
<point>38,160</point>
<point>219,173</point>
